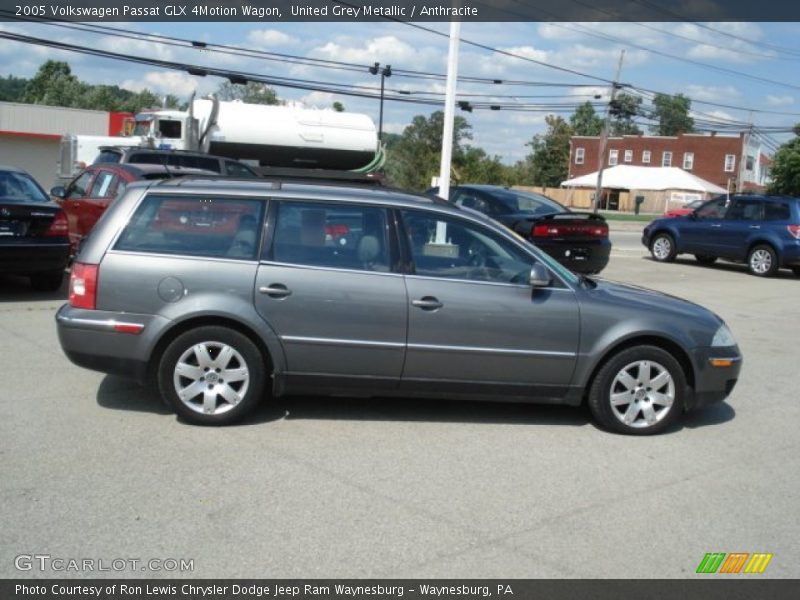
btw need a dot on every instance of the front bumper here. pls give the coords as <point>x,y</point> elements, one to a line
<point>714,383</point>
<point>109,342</point>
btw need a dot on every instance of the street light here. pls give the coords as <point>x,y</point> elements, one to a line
<point>385,72</point>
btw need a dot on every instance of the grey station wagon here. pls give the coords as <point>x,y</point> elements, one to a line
<point>227,291</point>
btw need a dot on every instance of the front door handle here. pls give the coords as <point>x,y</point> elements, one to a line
<point>275,290</point>
<point>427,303</point>
<point>755,226</point>
<point>716,224</point>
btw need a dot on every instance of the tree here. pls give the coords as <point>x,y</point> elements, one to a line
<point>414,158</point>
<point>548,162</point>
<point>585,121</point>
<point>338,106</point>
<point>12,88</point>
<point>253,92</point>
<point>785,168</point>
<point>54,85</point>
<point>623,110</point>
<point>672,114</point>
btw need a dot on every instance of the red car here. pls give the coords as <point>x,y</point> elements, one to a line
<point>87,196</point>
<point>687,209</point>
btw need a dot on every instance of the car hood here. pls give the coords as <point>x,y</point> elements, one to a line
<point>625,293</point>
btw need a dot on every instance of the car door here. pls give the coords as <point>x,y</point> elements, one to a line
<point>98,197</point>
<point>74,205</point>
<point>475,324</point>
<point>743,219</point>
<point>328,287</point>
<point>700,232</point>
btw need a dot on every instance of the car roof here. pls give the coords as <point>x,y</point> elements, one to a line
<point>144,169</point>
<point>312,191</point>
<point>13,169</point>
<point>764,197</point>
<point>130,149</point>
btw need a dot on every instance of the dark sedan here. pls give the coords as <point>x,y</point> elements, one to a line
<point>33,231</point>
<point>578,240</point>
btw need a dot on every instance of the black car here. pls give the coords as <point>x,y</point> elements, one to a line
<point>173,158</point>
<point>578,240</point>
<point>33,231</point>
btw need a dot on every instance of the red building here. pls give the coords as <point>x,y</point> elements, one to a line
<point>732,162</point>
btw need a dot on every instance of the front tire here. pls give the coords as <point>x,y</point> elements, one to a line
<point>212,375</point>
<point>639,391</point>
<point>762,261</point>
<point>662,247</point>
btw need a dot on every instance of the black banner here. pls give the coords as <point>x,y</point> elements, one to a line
<point>402,10</point>
<point>735,588</point>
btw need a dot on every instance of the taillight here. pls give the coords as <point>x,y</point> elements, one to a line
<point>333,232</point>
<point>59,227</point>
<point>83,286</point>
<point>571,229</point>
<point>794,230</point>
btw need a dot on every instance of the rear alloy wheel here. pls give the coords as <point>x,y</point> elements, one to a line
<point>705,259</point>
<point>48,281</point>
<point>212,375</point>
<point>662,247</point>
<point>762,261</point>
<point>640,391</point>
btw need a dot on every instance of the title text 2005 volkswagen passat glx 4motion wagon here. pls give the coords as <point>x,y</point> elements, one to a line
<point>224,292</point>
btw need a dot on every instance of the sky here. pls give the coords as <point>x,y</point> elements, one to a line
<point>750,67</point>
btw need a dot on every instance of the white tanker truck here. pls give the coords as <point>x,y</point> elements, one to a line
<point>274,136</point>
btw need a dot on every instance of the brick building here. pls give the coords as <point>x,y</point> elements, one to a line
<point>732,162</point>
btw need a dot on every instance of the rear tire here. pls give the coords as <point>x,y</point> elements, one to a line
<point>212,375</point>
<point>662,248</point>
<point>762,261</point>
<point>705,259</point>
<point>796,271</point>
<point>48,281</point>
<point>639,391</point>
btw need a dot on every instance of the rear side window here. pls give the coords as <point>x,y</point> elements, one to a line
<point>106,157</point>
<point>195,226</point>
<point>337,236</point>
<point>236,169</point>
<point>776,211</point>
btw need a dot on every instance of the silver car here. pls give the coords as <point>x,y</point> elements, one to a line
<point>226,292</point>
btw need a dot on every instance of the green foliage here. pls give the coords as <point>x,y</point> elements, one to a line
<point>338,106</point>
<point>585,121</point>
<point>672,114</point>
<point>12,88</point>
<point>252,92</point>
<point>548,162</point>
<point>785,168</point>
<point>626,108</point>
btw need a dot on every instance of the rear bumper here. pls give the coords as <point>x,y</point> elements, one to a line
<point>25,257</point>
<point>89,339</point>
<point>714,383</point>
<point>582,257</point>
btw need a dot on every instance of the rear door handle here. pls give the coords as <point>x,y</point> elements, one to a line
<point>427,303</point>
<point>755,226</point>
<point>716,224</point>
<point>275,290</point>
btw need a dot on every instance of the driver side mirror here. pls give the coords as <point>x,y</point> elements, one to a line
<point>59,192</point>
<point>540,276</point>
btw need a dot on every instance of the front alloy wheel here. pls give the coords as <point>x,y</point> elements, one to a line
<point>639,391</point>
<point>663,248</point>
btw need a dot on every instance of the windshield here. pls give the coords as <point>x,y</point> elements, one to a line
<point>142,126</point>
<point>527,202</point>
<point>20,187</point>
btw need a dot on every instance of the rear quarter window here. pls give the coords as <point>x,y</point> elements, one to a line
<point>195,226</point>
<point>776,211</point>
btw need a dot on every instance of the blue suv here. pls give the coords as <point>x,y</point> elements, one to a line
<point>761,231</point>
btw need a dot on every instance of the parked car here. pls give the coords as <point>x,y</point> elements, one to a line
<point>173,158</point>
<point>87,196</point>
<point>33,231</point>
<point>760,231</point>
<point>684,210</point>
<point>416,298</point>
<point>578,240</point>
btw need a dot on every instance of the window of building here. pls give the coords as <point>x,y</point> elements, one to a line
<point>750,163</point>
<point>666,159</point>
<point>613,157</point>
<point>730,163</point>
<point>580,153</point>
<point>646,157</point>
<point>628,156</point>
<point>688,160</point>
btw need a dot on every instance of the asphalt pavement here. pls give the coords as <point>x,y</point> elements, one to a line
<point>95,467</point>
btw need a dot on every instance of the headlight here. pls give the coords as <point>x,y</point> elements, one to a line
<point>723,337</point>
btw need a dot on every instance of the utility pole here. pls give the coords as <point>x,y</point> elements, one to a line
<point>385,72</point>
<point>449,116</point>
<point>604,137</point>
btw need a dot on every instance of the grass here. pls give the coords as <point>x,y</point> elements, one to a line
<point>617,216</point>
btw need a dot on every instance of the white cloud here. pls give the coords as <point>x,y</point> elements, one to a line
<point>269,38</point>
<point>712,93</point>
<point>386,49</point>
<point>319,99</point>
<point>780,100</point>
<point>164,82</point>
<point>714,115</point>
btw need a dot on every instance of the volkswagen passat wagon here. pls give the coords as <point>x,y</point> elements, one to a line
<point>226,292</point>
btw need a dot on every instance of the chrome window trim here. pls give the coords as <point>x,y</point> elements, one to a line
<point>333,269</point>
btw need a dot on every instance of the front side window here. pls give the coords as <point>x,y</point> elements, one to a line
<point>337,236</point>
<point>80,187</point>
<point>713,209</point>
<point>613,157</point>
<point>450,248</point>
<point>195,226</point>
<point>743,209</point>
<point>666,159</point>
